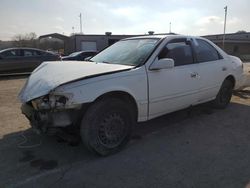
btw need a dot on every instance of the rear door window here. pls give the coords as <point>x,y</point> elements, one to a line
<point>37,53</point>
<point>205,52</point>
<point>28,53</point>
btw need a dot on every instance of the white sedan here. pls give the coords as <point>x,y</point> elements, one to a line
<point>134,80</point>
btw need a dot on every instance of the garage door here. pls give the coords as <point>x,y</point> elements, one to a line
<point>87,45</point>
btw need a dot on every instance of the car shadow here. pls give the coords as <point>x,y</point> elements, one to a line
<point>171,119</point>
<point>26,149</point>
<point>14,76</point>
<point>25,154</point>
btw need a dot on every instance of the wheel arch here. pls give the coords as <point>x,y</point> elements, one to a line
<point>124,96</point>
<point>231,78</point>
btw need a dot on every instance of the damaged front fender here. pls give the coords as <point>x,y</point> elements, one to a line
<point>49,75</point>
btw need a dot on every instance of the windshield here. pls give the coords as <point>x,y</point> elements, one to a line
<point>74,54</point>
<point>127,52</point>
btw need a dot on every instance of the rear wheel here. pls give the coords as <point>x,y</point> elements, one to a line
<point>107,125</point>
<point>224,96</point>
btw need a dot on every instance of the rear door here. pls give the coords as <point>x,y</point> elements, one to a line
<point>174,88</point>
<point>213,69</point>
<point>30,59</point>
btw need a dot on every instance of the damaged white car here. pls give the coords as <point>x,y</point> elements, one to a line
<point>134,80</point>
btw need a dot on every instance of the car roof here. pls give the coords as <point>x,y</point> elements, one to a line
<point>163,36</point>
<point>22,48</point>
<point>25,48</point>
<point>149,36</point>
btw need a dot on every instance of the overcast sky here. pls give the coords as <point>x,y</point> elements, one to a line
<point>191,17</point>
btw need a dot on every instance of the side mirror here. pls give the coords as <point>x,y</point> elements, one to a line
<point>164,63</point>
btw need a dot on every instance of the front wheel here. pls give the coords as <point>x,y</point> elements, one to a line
<point>224,96</point>
<point>107,125</point>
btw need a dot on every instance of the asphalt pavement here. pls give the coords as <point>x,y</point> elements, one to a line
<point>192,148</point>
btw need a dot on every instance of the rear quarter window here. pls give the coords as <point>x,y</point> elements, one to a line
<point>37,53</point>
<point>47,54</point>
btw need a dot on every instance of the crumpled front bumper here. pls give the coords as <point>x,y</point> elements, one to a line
<point>43,121</point>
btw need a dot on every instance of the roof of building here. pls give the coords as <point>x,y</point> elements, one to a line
<point>54,35</point>
<point>243,37</point>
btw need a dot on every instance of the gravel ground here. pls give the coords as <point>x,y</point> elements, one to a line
<point>11,118</point>
<point>201,147</point>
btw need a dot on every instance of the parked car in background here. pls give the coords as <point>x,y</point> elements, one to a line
<point>134,80</point>
<point>17,60</point>
<point>79,56</point>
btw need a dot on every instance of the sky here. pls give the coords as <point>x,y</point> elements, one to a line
<point>189,17</point>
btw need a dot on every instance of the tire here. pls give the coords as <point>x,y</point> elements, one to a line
<point>224,96</point>
<point>107,126</point>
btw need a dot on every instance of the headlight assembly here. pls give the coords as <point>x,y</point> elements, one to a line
<point>48,102</point>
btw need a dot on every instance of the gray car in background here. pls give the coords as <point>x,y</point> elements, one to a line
<point>19,60</point>
<point>79,56</point>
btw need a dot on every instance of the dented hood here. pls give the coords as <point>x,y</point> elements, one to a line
<point>50,75</point>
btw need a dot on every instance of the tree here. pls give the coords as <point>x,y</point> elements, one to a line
<point>241,31</point>
<point>31,36</point>
<point>25,40</point>
<point>51,44</point>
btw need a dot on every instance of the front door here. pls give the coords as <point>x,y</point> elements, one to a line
<point>30,59</point>
<point>174,88</point>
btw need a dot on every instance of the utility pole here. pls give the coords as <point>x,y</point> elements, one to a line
<point>169,27</point>
<point>225,23</point>
<point>80,23</point>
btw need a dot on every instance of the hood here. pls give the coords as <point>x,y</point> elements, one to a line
<point>50,75</point>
